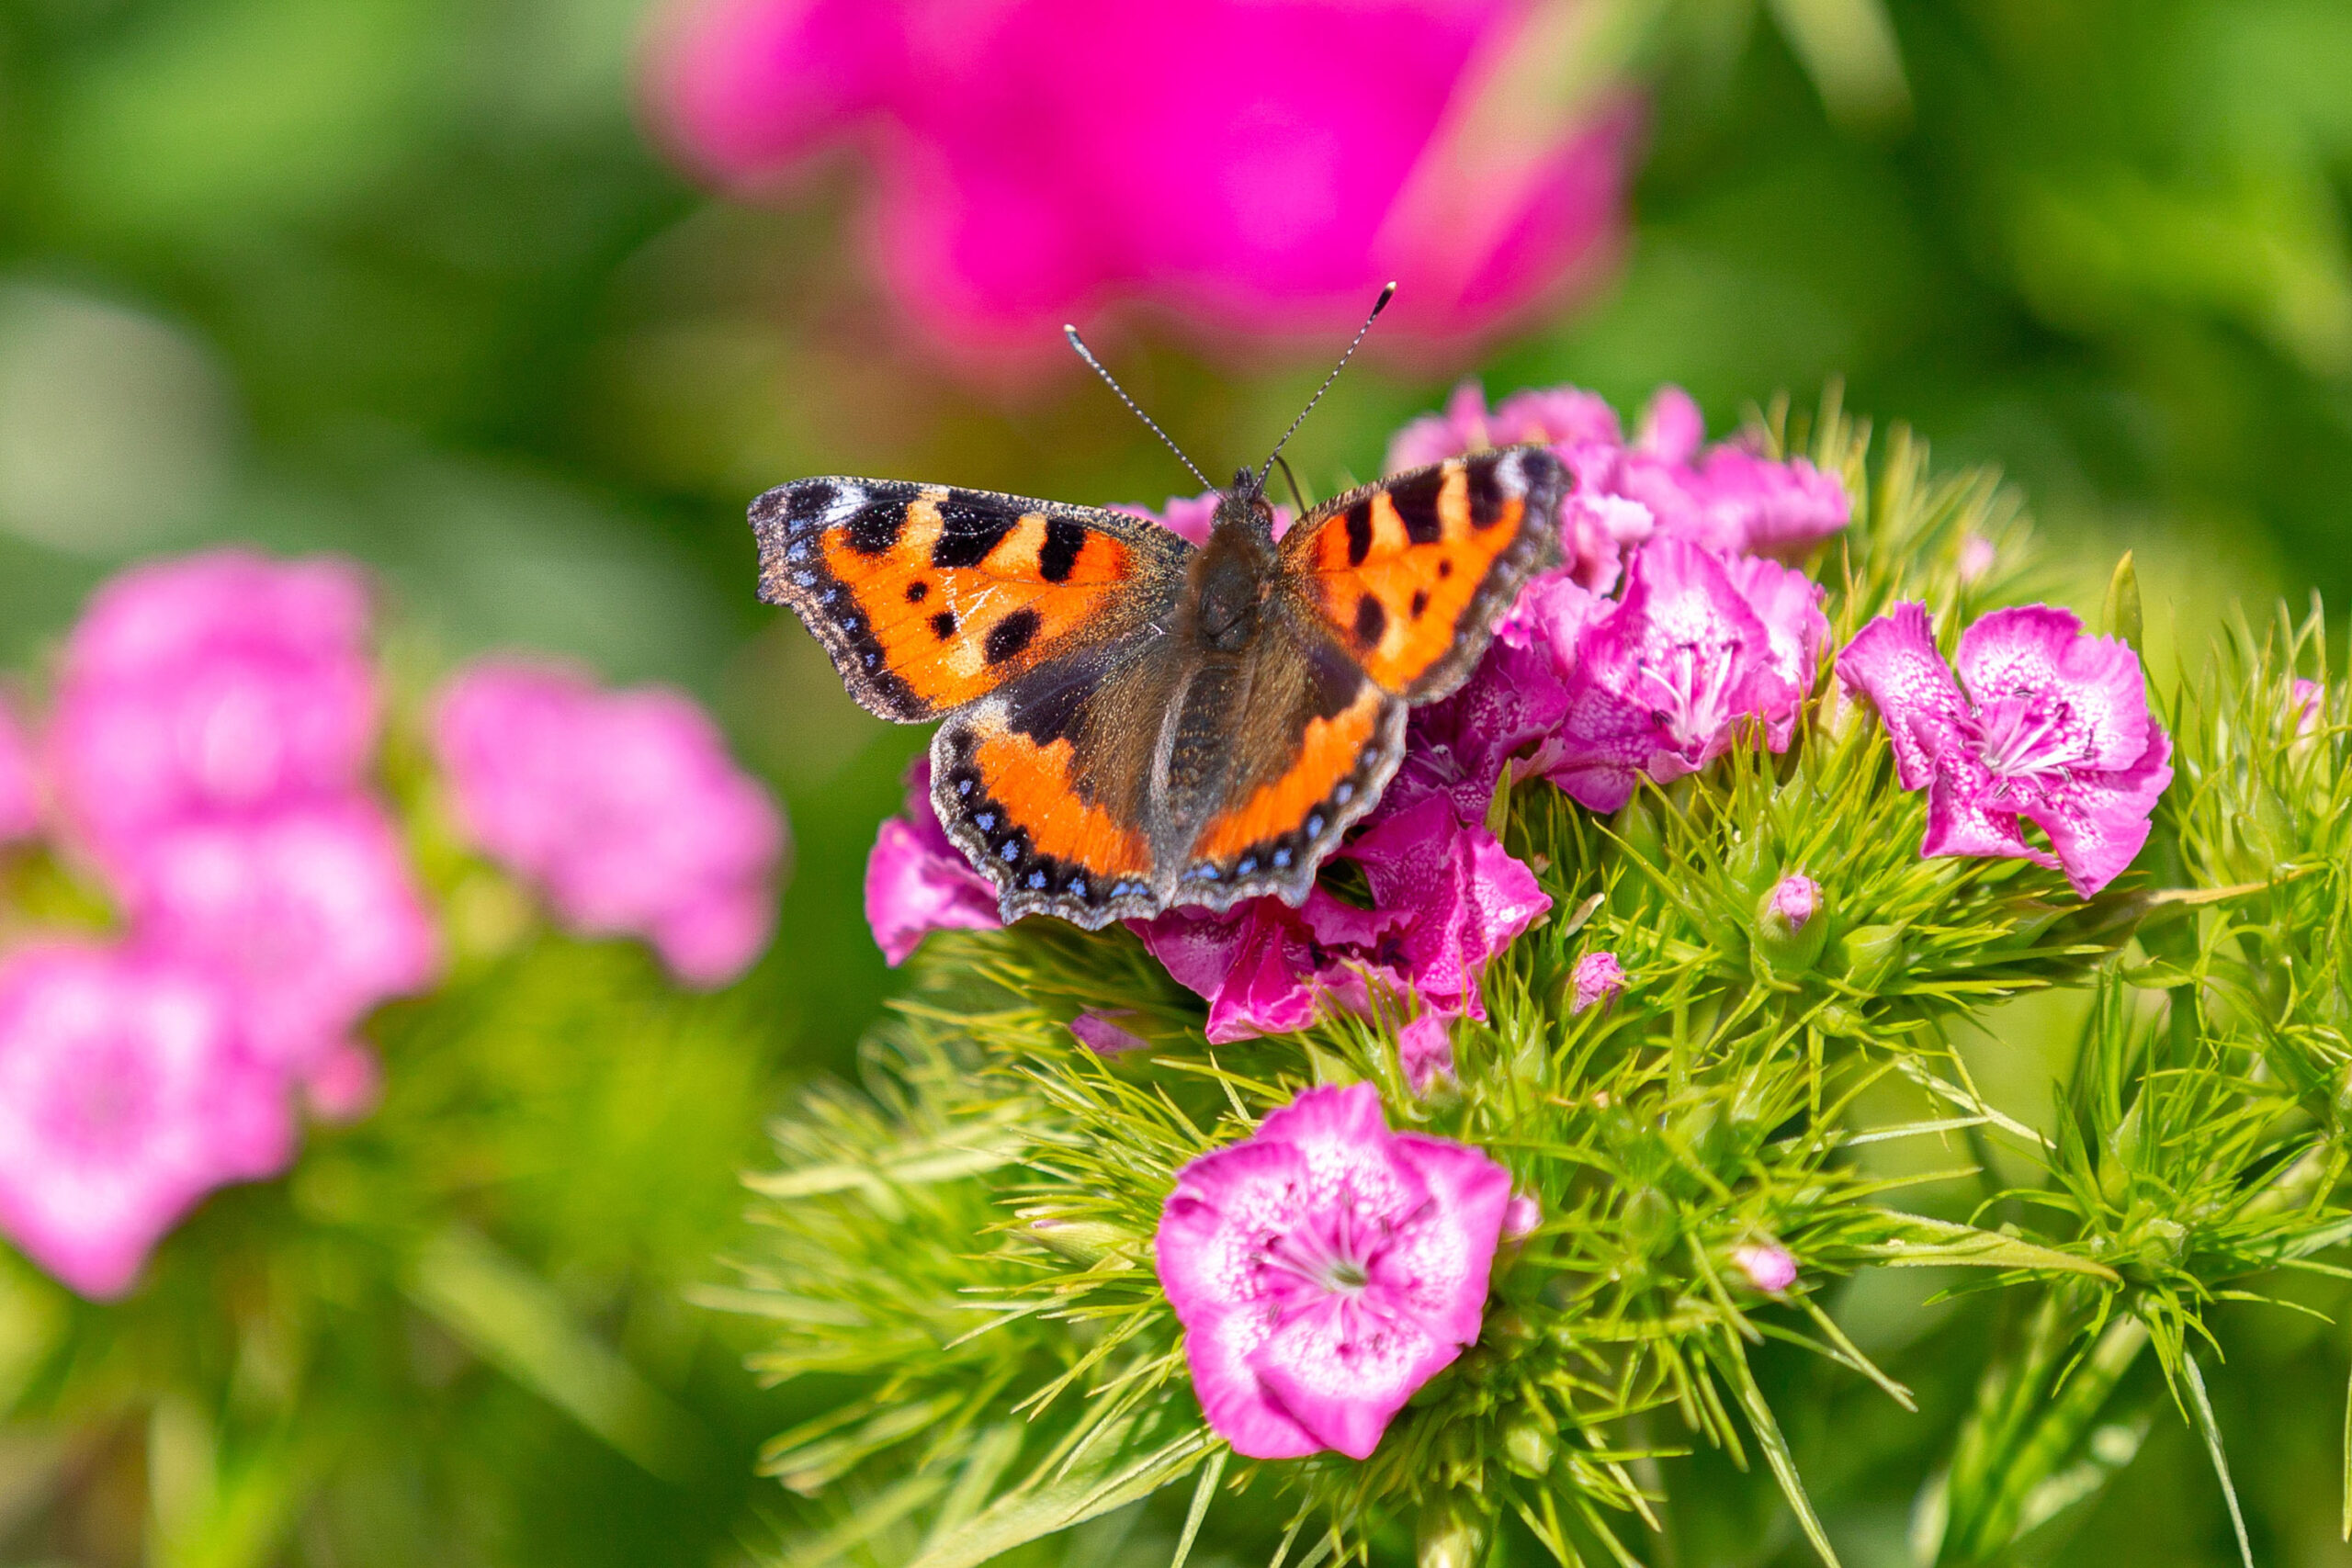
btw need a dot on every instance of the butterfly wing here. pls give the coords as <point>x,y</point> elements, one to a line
<point>929,598</point>
<point>1409,574</point>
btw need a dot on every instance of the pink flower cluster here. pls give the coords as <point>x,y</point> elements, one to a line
<point>208,751</point>
<point>1260,165</point>
<point>624,807</point>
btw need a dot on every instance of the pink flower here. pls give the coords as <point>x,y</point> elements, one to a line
<point>2054,728</point>
<point>310,916</point>
<point>1768,1268</point>
<point>19,780</point>
<point>221,683</point>
<point>1038,159</point>
<point>124,1096</point>
<point>2306,699</point>
<point>1446,898</point>
<point>1793,901</point>
<point>1425,1050</point>
<point>1324,1269</point>
<point>1977,556</point>
<point>1660,683</point>
<point>1191,517</point>
<point>1521,1217</point>
<point>918,881</point>
<point>1597,977</point>
<point>622,805</point>
<point>1735,500</point>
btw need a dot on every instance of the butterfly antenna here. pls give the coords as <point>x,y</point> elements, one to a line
<point>1111,381</point>
<point>1377,306</point>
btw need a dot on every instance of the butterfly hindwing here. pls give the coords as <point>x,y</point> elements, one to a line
<point>928,598</point>
<point>1408,574</point>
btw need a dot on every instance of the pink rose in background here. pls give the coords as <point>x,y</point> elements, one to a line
<point>20,779</point>
<point>221,684</point>
<point>623,806</point>
<point>916,881</point>
<point>1324,1269</point>
<point>1261,165</point>
<point>311,915</point>
<point>2052,727</point>
<point>125,1096</point>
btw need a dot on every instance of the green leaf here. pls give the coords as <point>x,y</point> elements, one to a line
<point>2211,1432</point>
<point>1731,1359</point>
<point>515,1320</point>
<point>1108,1475</point>
<point>1202,1494</point>
<point>1914,1241</point>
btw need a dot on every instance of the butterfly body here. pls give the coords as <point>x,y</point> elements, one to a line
<point>1133,723</point>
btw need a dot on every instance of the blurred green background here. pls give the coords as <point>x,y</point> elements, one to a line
<point>406,279</point>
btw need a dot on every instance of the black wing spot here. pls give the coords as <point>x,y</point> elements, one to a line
<point>1414,497</point>
<point>943,624</point>
<point>1359,524</point>
<point>807,502</point>
<point>1371,621</point>
<point>968,531</point>
<point>1010,636</point>
<point>1421,601</point>
<point>1064,540</point>
<point>1445,566</point>
<point>875,527</point>
<point>1486,496</point>
<point>918,591</point>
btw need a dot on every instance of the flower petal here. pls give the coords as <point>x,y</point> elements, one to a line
<point>1342,1368</point>
<point>2040,653</point>
<point>1894,663</point>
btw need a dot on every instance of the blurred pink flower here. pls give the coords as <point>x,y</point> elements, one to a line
<point>1324,1269</point>
<point>1425,1050</point>
<point>220,683</point>
<point>1101,1032</point>
<point>2307,699</point>
<point>2053,726</point>
<point>1259,165</point>
<point>125,1096</point>
<point>918,881</point>
<point>20,779</point>
<point>623,806</point>
<point>309,915</point>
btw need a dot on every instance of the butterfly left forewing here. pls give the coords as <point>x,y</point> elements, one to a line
<point>930,597</point>
<point>1409,574</point>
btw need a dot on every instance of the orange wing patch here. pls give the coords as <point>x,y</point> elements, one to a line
<point>1032,785</point>
<point>1408,574</point>
<point>1327,759</point>
<point>928,598</point>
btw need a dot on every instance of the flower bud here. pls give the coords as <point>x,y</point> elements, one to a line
<point>1452,1534</point>
<point>1769,1266</point>
<point>1598,979</point>
<point>1872,954</point>
<point>1790,930</point>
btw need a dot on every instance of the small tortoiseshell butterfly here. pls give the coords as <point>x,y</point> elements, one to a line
<point>1133,723</point>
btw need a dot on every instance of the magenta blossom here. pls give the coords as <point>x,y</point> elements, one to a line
<point>1425,1050</point>
<point>221,684</point>
<point>125,1096</point>
<point>1324,1269</point>
<point>1038,159</point>
<point>1446,899</point>
<point>624,807</point>
<point>2053,727</point>
<point>311,915</point>
<point>19,780</point>
<point>918,881</point>
<point>1661,683</point>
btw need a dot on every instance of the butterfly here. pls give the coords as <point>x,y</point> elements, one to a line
<point>1133,723</point>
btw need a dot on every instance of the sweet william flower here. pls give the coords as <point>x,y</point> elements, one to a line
<point>623,806</point>
<point>1769,1267</point>
<point>125,1096</point>
<point>1660,683</point>
<point>2052,727</point>
<point>1324,1269</point>
<point>918,881</point>
<point>224,683</point>
<point>1037,159</point>
<point>310,917</point>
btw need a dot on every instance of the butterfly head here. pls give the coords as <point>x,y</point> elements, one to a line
<point>1242,506</point>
